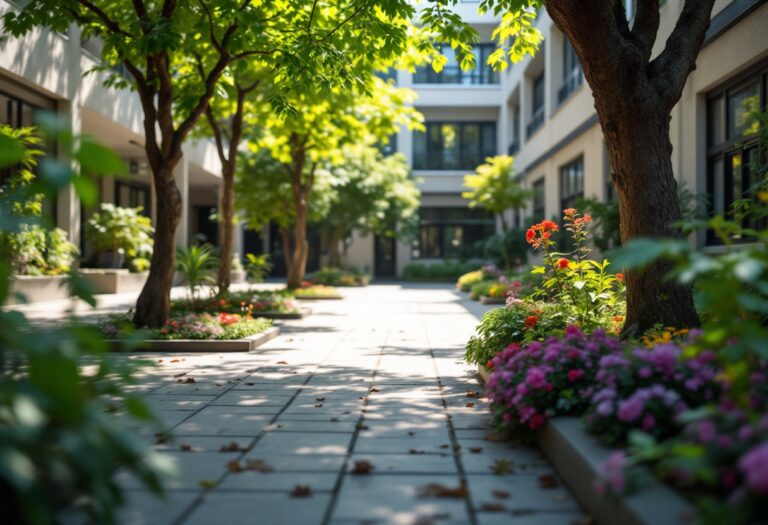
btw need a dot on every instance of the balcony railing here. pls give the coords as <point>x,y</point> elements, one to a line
<point>453,74</point>
<point>571,83</point>
<point>535,122</point>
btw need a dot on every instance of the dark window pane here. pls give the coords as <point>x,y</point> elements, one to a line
<point>741,105</point>
<point>717,121</point>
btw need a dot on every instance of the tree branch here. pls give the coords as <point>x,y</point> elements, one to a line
<point>646,26</point>
<point>669,71</point>
<point>338,26</point>
<point>113,26</point>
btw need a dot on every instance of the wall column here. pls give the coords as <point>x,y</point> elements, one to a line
<point>182,181</point>
<point>70,112</point>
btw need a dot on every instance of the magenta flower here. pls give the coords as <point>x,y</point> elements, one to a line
<point>754,466</point>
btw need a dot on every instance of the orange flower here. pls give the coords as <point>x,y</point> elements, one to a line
<point>548,225</point>
<point>530,234</point>
<point>531,321</point>
<point>570,212</point>
<point>563,263</point>
<point>620,277</point>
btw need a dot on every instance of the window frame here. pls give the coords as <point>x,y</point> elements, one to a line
<point>575,167</point>
<point>440,222</point>
<point>730,146</point>
<point>427,161</point>
<point>482,75</point>
<point>539,209</point>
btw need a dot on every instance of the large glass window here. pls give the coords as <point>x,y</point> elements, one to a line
<point>452,73</point>
<point>572,76</point>
<point>537,108</point>
<point>451,233</point>
<point>453,145</point>
<point>733,152</point>
<point>571,183</point>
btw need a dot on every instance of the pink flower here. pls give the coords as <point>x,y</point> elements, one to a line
<point>536,421</point>
<point>754,466</point>
<point>575,374</point>
<point>648,422</point>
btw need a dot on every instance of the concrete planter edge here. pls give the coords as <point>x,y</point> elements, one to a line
<point>247,344</point>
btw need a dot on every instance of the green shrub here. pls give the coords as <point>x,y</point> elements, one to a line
<point>197,266</point>
<point>481,289</point>
<point>520,322</point>
<point>120,230</point>
<point>466,281</point>
<point>139,264</point>
<point>446,271</point>
<point>59,388</point>
<point>340,277</point>
<point>258,266</point>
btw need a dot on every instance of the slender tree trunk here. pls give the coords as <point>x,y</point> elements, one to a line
<point>227,206</point>
<point>333,249</point>
<point>154,302</point>
<point>298,259</point>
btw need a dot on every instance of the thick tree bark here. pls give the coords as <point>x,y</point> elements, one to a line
<point>301,185</point>
<point>333,250</point>
<point>298,259</point>
<point>154,302</point>
<point>634,96</point>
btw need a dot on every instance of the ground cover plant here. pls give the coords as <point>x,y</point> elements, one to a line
<point>221,327</point>
<point>244,302</point>
<point>340,277</point>
<point>315,291</point>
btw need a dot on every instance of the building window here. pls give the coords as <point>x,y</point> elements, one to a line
<point>537,109</point>
<point>132,195</point>
<point>451,233</point>
<point>452,73</point>
<point>572,76</point>
<point>733,150</point>
<point>514,144</point>
<point>571,183</point>
<point>539,200</point>
<point>453,145</point>
<point>15,112</point>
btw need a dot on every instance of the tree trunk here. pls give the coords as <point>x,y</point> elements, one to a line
<point>298,259</point>
<point>226,204</point>
<point>154,302</point>
<point>640,152</point>
<point>333,249</point>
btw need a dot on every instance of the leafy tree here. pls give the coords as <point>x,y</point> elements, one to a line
<point>372,194</point>
<point>316,134</point>
<point>495,188</point>
<point>634,91</point>
<point>306,47</point>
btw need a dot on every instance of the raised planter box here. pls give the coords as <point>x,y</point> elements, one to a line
<point>247,344</point>
<point>301,314</point>
<point>319,298</point>
<point>577,456</point>
<point>37,288</point>
<point>492,300</point>
<point>106,281</point>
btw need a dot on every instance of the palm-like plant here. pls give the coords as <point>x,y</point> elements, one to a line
<point>258,266</point>
<point>197,266</point>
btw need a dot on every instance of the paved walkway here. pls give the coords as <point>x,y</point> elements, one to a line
<point>377,381</point>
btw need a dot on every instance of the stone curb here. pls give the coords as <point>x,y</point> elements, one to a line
<point>247,344</point>
<point>492,300</point>
<point>577,456</point>
<point>301,314</point>
<point>320,298</point>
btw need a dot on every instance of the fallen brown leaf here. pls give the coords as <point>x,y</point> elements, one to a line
<point>282,362</point>
<point>362,467</point>
<point>548,481</point>
<point>250,384</point>
<point>162,437</point>
<point>185,447</point>
<point>361,426</point>
<point>233,447</point>
<point>503,466</point>
<point>437,490</point>
<point>475,450</point>
<point>318,405</point>
<point>414,451</point>
<point>175,360</point>
<point>375,389</point>
<point>444,446</point>
<point>186,380</point>
<point>301,491</point>
<point>257,465</point>
<point>470,404</point>
<point>493,507</point>
<point>472,393</point>
<point>334,420</point>
<point>500,494</point>
<point>319,399</point>
<point>180,374</point>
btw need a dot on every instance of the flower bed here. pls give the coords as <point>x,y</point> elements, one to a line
<point>340,277</point>
<point>310,292</point>
<point>253,303</point>
<point>222,327</point>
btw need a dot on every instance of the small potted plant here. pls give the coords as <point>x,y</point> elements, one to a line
<point>116,233</point>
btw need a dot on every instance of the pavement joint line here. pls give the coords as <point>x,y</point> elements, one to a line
<point>255,439</point>
<point>358,427</point>
<point>455,445</point>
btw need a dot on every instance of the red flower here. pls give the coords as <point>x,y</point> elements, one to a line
<point>536,421</point>
<point>563,263</point>
<point>489,364</point>
<point>548,225</point>
<point>531,321</point>
<point>546,235</point>
<point>620,277</point>
<point>587,218</point>
<point>575,374</point>
<point>530,234</point>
